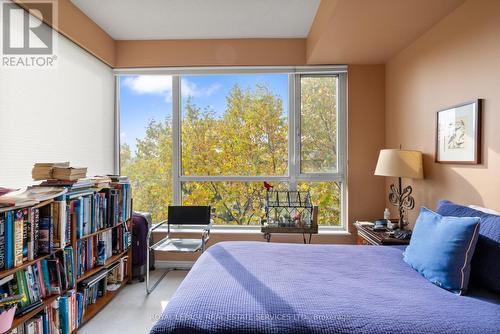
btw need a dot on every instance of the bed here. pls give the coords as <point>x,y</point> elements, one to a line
<point>255,287</point>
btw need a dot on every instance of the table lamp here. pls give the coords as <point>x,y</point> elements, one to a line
<point>400,163</point>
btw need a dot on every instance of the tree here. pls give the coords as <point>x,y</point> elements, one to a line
<point>249,138</point>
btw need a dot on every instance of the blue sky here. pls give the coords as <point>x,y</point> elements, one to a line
<point>147,97</point>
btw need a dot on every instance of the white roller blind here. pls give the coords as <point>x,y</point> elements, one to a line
<point>62,114</point>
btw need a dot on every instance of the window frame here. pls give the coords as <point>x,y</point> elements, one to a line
<point>294,174</point>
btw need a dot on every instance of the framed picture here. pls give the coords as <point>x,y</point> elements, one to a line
<point>458,139</point>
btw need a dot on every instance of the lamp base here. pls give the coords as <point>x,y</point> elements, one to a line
<point>403,200</point>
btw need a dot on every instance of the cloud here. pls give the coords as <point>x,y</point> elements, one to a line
<point>149,84</point>
<point>162,85</point>
<point>189,88</point>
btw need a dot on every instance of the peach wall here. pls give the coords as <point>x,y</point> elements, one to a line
<point>456,61</point>
<point>366,137</point>
<point>365,194</point>
<point>84,32</point>
<point>81,30</point>
<point>218,52</point>
<point>370,32</point>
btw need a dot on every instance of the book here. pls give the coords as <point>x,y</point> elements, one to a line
<point>30,284</point>
<point>31,195</point>
<point>69,173</point>
<point>22,288</point>
<point>61,237</point>
<point>18,237</point>
<point>38,273</point>
<point>26,234</point>
<point>9,240</point>
<point>46,277</point>
<point>2,241</point>
<point>45,240</point>
<point>69,267</point>
<point>35,213</point>
<point>54,322</point>
<point>43,170</point>
<point>54,276</point>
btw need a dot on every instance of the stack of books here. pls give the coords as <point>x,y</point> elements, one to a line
<point>100,181</point>
<point>74,184</point>
<point>58,171</point>
<point>69,173</point>
<point>30,196</point>
<point>43,170</point>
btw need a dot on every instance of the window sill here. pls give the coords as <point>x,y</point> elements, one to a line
<point>245,230</point>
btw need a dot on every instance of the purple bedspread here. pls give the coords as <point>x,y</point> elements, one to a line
<point>255,287</point>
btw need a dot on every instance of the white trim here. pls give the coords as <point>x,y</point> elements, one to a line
<point>292,182</point>
<point>217,70</point>
<point>342,146</point>
<point>248,229</point>
<point>473,238</point>
<point>116,158</point>
<point>176,140</point>
<point>293,175</point>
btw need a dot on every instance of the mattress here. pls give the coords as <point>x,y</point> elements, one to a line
<point>256,287</point>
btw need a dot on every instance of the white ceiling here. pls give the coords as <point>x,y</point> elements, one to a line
<point>201,19</point>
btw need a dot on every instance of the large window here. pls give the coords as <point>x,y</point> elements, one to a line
<point>212,139</point>
<point>146,140</point>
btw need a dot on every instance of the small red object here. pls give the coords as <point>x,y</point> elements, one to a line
<point>297,216</point>
<point>267,185</point>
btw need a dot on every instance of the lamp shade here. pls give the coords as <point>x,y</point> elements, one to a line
<point>400,163</point>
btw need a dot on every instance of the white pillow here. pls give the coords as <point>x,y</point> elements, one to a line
<point>485,210</point>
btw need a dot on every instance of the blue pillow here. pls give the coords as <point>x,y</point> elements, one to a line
<point>441,249</point>
<point>485,266</point>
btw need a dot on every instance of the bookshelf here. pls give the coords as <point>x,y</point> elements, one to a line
<point>113,221</point>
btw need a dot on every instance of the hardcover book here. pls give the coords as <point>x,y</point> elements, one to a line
<point>18,237</point>
<point>54,276</point>
<point>9,239</point>
<point>22,288</point>
<point>36,231</point>
<point>2,242</point>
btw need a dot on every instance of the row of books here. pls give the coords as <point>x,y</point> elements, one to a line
<point>62,316</point>
<point>23,235</point>
<point>95,210</point>
<point>39,324</point>
<point>29,232</point>
<point>95,250</point>
<point>65,313</point>
<point>97,285</point>
<point>122,184</point>
<point>42,279</point>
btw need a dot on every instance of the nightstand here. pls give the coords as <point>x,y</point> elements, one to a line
<point>366,236</point>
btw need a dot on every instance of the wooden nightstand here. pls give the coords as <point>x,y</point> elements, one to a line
<point>366,236</point>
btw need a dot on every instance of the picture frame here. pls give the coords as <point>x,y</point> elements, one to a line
<point>458,133</point>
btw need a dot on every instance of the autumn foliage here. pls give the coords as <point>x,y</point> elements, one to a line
<point>249,138</point>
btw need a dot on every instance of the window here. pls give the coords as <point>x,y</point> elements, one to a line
<point>235,203</point>
<point>318,124</point>
<point>234,125</point>
<point>146,140</point>
<point>199,138</point>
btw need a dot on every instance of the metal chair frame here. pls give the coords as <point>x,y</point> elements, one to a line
<point>205,237</point>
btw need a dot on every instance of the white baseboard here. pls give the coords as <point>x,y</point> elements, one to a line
<point>174,264</point>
